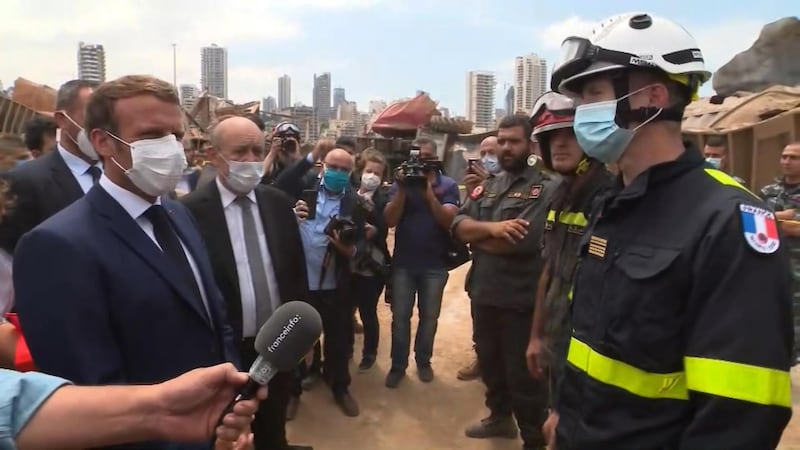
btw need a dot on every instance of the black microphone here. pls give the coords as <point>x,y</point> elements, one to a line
<point>289,333</point>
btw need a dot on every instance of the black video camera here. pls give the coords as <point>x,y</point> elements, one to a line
<point>347,229</point>
<point>415,170</point>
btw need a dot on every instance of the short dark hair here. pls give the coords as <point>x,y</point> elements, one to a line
<point>347,142</point>
<point>716,141</point>
<point>256,119</point>
<point>420,141</point>
<point>68,93</point>
<point>100,110</point>
<point>680,95</point>
<point>36,129</point>
<point>517,121</point>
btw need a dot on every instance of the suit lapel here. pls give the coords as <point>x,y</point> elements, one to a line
<point>128,231</point>
<point>213,219</point>
<point>272,233</point>
<point>63,178</point>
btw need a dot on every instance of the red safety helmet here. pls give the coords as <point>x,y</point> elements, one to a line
<point>552,111</point>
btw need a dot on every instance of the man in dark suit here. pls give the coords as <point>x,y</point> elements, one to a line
<point>130,295</point>
<point>256,254</point>
<point>48,184</point>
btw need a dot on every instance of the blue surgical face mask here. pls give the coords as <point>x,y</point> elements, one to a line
<point>491,164</point>
<point>598,133</point>
<point>714,162</point>
<point>335,180</point>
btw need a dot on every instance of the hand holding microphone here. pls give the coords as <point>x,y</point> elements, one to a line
<point>281,343</point>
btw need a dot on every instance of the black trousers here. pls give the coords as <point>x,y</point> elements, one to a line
<point>269,425</point>
<point>501,339</point>
<point>366,291</point>
<point>337,329</point>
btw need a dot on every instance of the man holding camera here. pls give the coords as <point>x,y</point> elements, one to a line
<point>422,206</point>
<point>330,239</point>
<point>284,151</point>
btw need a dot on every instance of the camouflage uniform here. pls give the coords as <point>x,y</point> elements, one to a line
<point>567,217</point>
<point>781,197</point>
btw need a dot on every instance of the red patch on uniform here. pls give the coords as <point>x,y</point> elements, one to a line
<point>536,191</point>
<point>476,193</point>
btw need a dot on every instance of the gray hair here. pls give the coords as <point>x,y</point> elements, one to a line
<point>424,140</point>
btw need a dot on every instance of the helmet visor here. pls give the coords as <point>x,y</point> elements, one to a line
<point>287,128</point>
<point>578,53</point>
<point>557,104</point>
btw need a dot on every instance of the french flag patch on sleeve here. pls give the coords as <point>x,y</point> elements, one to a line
<point>760,229</point>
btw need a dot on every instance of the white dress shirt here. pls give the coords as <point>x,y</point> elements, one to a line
<point>136,206</point>
<point>233,217</point>
<point>78,167</point>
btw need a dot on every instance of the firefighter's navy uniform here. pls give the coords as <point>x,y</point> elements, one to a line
<point>682,321</point>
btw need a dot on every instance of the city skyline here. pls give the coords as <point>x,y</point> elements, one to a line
<point>271,38</point>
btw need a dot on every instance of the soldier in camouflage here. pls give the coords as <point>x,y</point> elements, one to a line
<point>783,197</point>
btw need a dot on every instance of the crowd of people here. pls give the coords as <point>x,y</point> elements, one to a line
<point>626,291</point>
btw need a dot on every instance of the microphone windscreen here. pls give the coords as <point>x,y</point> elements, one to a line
<point>289,333</point>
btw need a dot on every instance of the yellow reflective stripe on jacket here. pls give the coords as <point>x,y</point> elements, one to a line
<point>568,218</point>
<point>739,381</point>
<point>728,180</point>
<point>569,294</point>
<point>624,376</point>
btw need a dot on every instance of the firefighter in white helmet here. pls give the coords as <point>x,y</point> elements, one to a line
<point>682,324</point>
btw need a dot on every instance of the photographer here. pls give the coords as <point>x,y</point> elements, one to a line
<point>284,151</point>
<point>331,238</point>
<point>423,203</point>
<point>371,267</point>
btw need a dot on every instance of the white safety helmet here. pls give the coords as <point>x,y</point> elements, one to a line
<point>632,40</point>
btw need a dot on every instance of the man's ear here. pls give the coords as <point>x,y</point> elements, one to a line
<point>104,144</point>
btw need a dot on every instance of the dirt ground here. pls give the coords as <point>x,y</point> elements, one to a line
<point>419,416</point>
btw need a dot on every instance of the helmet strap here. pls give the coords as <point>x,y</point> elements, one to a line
<point>649,114</point>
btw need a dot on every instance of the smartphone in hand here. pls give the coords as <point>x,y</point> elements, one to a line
<point>309,196</point>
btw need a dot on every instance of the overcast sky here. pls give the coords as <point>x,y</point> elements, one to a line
<point>374,48</point>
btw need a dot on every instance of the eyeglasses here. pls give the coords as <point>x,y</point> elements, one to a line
<point>337,168</point>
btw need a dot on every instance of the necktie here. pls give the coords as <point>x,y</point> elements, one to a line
<point>258,272</point>
<point>95,172</point>
<point>171,246</point>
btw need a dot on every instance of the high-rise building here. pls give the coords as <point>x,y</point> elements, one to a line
<point>445,111</point>
<point>510,101</point>
<point>376,106</point>
<point>530,81</point>
<point>339,99</point>
<point>499,113</point>
<point>189,93</point>
<point>322,100</point>
<point>214,71</point>
<point>347,111</point>
<point>269,105</point>
<point>480,99</point>
<point>284,92</point>
<point>91,62</point>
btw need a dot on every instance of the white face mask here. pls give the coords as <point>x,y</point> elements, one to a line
<point>370,181</point>
<point>156,164</point>
<point>243,177</point>
<point>82,141</point>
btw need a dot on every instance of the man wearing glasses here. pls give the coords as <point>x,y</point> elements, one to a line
<point>328,250</point>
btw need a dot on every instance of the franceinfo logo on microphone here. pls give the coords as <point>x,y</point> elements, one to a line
<point>286,330</point>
